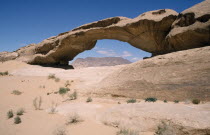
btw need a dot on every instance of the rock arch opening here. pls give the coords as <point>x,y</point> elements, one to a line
<point>111,49</point>
<point>147,32</point>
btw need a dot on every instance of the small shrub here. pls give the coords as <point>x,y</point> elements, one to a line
<point>60,131</point>
<point>10,114</point>
<point>73,96</point>
<point>57,79</point>
<point>17,120</point>
<point>117,95</point>
<point>67,83</point>
<point>4,73</point>
<point>89,99</point>
<point>151,99</point>
<point>176,101</point>
<point>127,132</point>
<point>40,103</point>
<point>131,101</point>
<point>16,92</point>
<point>165,101</point>
<point>196,101</point>
<point>20,111</point>
<point>42,86</point>
<point>72,119</point>
<point>51,76</point>
<point>37,102</point>
<point>53,108</point>
<point>111,123</point>
<point>62,91</point>
<point>165,128</point>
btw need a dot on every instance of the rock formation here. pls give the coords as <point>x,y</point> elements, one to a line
<point>179,75</point>
<point>149,37</point>
<point>99,62</point>
<point>5,56</point>
<point>191,28</point>
<point>157,32</point>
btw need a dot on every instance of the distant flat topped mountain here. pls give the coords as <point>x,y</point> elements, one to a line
<point>99,62</point>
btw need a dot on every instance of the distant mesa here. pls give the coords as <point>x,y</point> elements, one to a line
<point>99,62</point>
<point>158,32</point>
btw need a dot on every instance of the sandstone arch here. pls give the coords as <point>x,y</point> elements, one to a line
<point>146,32</point>
<point>157,32</point>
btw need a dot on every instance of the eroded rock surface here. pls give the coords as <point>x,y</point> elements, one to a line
<point>192,28</point>
<point>5,56</point>
<point>146,32</point>
<point>157,32</point>
<point>183,75</point>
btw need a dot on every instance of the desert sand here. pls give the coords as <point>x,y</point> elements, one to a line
<point>105,115</point>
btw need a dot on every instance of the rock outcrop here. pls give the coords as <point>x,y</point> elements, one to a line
<point>191,28</point>
<point>99,62</point>
<point>5,56</point>
<point>157,32</point>
<point>183,75</point>
<point>22,54</point>
<point>146,32</point>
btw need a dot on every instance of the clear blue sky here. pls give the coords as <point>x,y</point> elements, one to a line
<point>30,21</point>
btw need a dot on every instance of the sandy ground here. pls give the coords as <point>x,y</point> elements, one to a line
<point>102,116</point>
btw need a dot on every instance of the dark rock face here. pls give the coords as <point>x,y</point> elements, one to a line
<point>99,62</point>
<point>158,32</point>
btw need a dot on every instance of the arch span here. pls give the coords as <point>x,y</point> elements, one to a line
<point>157,32</point>
<point>146,32</point>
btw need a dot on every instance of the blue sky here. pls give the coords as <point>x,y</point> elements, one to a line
<point>30,21</point>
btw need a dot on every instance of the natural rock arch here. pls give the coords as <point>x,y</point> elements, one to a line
<point>146,32</point>
<point>157,32</point>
